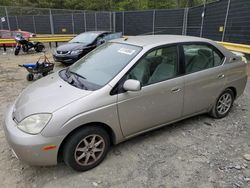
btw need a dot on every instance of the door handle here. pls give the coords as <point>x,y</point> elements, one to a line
<point>175,90</point>
<point>221,76</point>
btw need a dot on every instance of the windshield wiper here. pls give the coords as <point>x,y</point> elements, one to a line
<point>77,74</point>
<point>67,72</point>
<point>73,79</point>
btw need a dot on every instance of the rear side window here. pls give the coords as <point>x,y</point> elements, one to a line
<point>199,57</point>
<point>111,36</point>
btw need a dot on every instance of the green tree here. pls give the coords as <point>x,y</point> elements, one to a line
<point>116,5</point>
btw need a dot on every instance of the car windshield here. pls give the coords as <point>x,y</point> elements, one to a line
<point>103,64</point>
<point>84,38</point>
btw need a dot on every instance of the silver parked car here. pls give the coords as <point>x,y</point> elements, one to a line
<point>121,89</point>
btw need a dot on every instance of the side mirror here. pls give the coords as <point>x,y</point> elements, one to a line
<point>132,85</point>
<point>102,41</point>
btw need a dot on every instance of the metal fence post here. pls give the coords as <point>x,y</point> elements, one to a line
<point>225,24</point>
<point>34,23</point>
<point>17,24</point>
<point>51,22</point>
<point>73,23</point>
<point>185,21</point>
<point>95,22</point>
<point>85,24</point>
<point>202,17</point>
<point>114,21</point>
<point>110,21</point>
<point>153,29</point>
<point>7,17</point>
<point>123,19</point>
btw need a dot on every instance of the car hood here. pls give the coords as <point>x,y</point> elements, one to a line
<point>72,46</point>
<point>46,96</point>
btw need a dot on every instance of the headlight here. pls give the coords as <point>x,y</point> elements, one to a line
<point>34,124</point>
<point>76,52</point>
<point>244,59</point>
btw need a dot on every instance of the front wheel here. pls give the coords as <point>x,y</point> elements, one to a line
<point>87,148</point>
<point>17,50</point>
<point>45,73</point>
<point>223,104</point>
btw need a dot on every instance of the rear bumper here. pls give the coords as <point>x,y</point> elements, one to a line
<point>29,148</point>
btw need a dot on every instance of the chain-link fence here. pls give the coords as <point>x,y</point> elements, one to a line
<point>54,21</point>
<point>223,20</point>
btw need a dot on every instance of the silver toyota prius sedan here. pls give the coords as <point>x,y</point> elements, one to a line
<point>123,88</point>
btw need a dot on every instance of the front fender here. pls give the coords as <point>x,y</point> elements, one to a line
<point>95,107</point>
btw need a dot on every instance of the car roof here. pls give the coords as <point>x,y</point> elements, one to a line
<point>146,40</point>
<point>151,41</point>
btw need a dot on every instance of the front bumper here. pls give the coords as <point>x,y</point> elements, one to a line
<point>66,58</point>
<point>29,148</point>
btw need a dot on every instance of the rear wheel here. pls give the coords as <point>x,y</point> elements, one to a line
<point>87,148</point>
<point>30,77</point>
<point>223,104</point>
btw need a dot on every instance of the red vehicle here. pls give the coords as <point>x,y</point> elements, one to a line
<point>6,34</point>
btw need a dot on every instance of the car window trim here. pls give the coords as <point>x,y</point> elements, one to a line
<point>200,43</point>
<point>117,89</point>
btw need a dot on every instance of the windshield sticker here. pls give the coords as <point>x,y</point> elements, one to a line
<point>126,51</point>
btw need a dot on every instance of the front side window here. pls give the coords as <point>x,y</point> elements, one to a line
<point>199,57</point>
<point>158,65</point>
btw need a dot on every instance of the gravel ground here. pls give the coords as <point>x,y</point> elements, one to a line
<point>198,152</point>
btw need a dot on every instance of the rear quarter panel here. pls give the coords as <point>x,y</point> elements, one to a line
<point>236,75</point>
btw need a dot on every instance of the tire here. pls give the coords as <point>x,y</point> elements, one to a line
<point>45,73</point>
<point>79,150</point>
<point>17,51</point>
<point>39,47</point>
<point>30,77</point>
<point>223,104</point>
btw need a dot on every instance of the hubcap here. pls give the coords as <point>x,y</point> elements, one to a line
<point>89,150</point>
<point>224,103</point>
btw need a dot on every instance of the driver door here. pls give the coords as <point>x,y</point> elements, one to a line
<point>160,99</point>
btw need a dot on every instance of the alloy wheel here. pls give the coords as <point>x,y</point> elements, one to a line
<point>89,150</point>
<point>224,103</point>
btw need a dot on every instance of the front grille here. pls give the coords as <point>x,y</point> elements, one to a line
<point>62,52</point>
